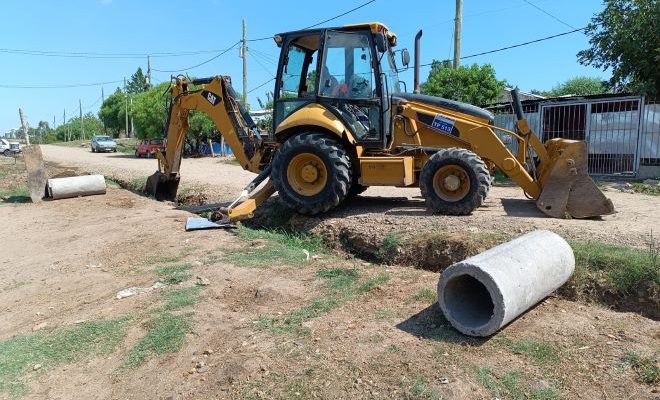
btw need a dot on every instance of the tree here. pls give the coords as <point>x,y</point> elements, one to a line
<point>470,84</point>
<point>579,86</point>
<point>149,111</point>
<point>137,83</point>
<point>112,112</point>
<point>93,126</point>
<point>624,38</point>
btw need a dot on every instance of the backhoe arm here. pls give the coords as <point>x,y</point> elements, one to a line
<point>218,100</point>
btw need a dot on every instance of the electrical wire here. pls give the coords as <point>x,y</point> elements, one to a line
<point>548,14</point>
<point>74,85</point>
<point>200,64</point>
<point>268,71</point>
<point>515,45</point>
<point>263,84</point>
<point>322,22</point>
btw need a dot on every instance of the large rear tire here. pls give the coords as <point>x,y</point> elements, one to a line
<point>454,182</point>
<point>312,173</point>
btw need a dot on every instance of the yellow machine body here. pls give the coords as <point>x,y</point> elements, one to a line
<point>553,173</point>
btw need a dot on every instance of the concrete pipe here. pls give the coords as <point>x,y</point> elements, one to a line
<point>85,185</point>
<point>481,294</point>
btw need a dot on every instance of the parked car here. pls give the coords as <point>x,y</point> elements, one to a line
<point>9,148</point>
<point>149,147</point>
<point>103,143</point>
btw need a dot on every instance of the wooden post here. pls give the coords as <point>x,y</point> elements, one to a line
<point>26,132</point>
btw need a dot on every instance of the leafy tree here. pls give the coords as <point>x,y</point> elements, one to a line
<point>579,86</point>
<point>472,84</point>
<point>112,112</point>
<point>92,125</point>
<point>137,83</point>
<point>149,111</point>
<point>625,38</point>
<point>201,128</point>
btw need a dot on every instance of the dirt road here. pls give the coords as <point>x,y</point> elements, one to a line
<point>385,209</point>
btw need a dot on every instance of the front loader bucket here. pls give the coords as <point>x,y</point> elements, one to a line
<point>568,191</point>
<point>162,187</point>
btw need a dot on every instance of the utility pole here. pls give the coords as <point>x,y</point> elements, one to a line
<point>244,55</point>
<point>126,108</point>
<point>148,71</point>
<point>66,134</point>
<point>457,33</point>
<point>82,127</point>
<point>103,101</point>
<point>53,121</point>
<point>26,132</point>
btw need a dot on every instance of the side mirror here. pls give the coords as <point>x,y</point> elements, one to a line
<point>405,57</point>
<point>381,42</point>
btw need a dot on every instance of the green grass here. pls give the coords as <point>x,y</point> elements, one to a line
<point>389,245</point>
<point>342,285</point>
<point>420,390</point>
<point>647,368</point>
<point>653,190</point>
<point>166,259</point>
<point>166,333</point>
<point>68,344</point>
<point>426,295</point>
<point>384,313</point>
<point>279,247</point>
<point>624,267</point>
<point>15,195</point>
<point>179,298</point>
<point>511,386</point>
<point>540,352</point>
<point>173,274</point>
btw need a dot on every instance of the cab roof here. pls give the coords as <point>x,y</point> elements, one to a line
<point>374,27</point>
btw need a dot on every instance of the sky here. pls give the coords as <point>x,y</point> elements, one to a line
<point>133,29</point>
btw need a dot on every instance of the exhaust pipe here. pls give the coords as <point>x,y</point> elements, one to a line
<point>418,37</point>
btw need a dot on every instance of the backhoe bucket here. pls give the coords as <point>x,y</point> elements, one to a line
<point>568,191</point>
<point>162,187</point>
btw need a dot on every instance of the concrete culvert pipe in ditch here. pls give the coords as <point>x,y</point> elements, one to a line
<point>481,294</point>
<point>84,185</point>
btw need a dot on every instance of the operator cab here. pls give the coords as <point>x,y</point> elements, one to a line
<point>349,70</point>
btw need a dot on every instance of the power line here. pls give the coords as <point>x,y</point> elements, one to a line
<point>73,85</point>
<point>200,64</point>
<point>269,72</point>
<point>322,22</point>
<point>263,84</point>
<point>548,14</point>
<point>95,55</point>
<point>516,45</point>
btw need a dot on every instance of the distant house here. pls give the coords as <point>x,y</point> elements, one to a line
<point>622,131</point>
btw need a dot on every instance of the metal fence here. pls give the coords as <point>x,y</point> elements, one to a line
<point>622,133</point>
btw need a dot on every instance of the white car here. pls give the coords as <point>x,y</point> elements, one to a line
<point>103,143</point>
<point>9,148</point>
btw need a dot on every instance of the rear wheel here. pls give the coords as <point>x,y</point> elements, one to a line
<point>454,182</point>
<point>312,173</point>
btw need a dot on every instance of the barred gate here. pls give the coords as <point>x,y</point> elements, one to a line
<point>610,128</point>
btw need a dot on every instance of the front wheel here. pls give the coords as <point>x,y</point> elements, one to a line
<point>137,155</point>
<point>454,182</point>
<point>312,173</point>
<point>7,152</point>
<point>93,150</point>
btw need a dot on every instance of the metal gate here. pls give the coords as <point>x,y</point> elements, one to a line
<point>610,128</point>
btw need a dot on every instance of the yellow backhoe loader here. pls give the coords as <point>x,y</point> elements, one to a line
<point>341,123</point>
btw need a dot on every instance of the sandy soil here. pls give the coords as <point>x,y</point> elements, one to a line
<point>389,209</point>
<point>63,261</point>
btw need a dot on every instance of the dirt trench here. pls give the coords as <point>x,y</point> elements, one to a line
<point>436,251</point>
